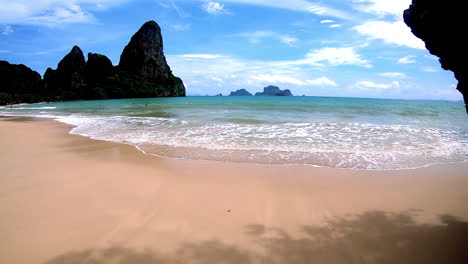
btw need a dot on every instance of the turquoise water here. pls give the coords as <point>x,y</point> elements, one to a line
<point>354,133</point>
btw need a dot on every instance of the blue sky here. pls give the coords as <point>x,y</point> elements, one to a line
<point>358,48</point>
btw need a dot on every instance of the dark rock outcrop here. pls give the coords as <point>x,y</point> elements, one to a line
<point>18,84</point>
<point>18,78</point>
<point>274,91</point>
<point>69,78</point>
<point>144,57</point>
<point>98,69</point>
<point>142,72</point>
<point>439,24</point>
<point>241,92</point>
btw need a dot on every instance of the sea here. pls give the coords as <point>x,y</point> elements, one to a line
<point>345,133</point>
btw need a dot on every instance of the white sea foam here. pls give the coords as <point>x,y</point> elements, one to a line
<point>342,145</point>
<point>34,108</point>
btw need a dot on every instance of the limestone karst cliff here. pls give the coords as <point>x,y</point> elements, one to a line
<point>439,24</point>
<point>142,72</point>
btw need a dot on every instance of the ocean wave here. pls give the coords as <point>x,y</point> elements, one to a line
<point>340,145</point>
<point>326,132</point>
<point>34,108</point>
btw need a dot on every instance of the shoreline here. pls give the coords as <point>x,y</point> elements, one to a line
<point>71,127</point>
<point>70,198</point>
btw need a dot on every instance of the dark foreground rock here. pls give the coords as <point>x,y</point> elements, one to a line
<point>241,92</point>
<point>440,25</point>
<point>274,91</point>
<point>142,72</point>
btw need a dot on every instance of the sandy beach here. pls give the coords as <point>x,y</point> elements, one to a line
<point>70,199</point>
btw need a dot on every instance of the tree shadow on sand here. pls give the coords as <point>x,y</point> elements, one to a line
<point>372,237</point>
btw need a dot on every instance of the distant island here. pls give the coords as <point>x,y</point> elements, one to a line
<point>142,72</point>
<point>267,91</point>
<point>274,91</point>
<point>240,92</point>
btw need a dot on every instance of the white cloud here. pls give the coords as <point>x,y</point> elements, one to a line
<point>390,32</point>
<point>329,56</point>
<point>394,31</point>
<point>220,73</point>
<point>400,75</point>
<point>333,57</point>
<point>260,35</point>
<point>296,5</point>
<point>383,7</point>
<point>171,4</point>
<point>198,71</point>
<point>217,79</point>
<point>431,57</point>
<point>335,26</point>
<point>214,8</point>
<point>7,30</point>
<point>52,12</point>
<point>63,15</point>
<point>181,27</point>
<point>200,56</point>
<point>288,40</point>
<point>370,85</point>
<point>326,21</point>
<point>322,81</point>
<point>277,79</point>
<point>281,79</point>
<point>429,69</point>
<point>406,60</point>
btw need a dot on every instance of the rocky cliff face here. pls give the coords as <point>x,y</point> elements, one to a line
<point>144,57</point>
<point>98,67</point>
<point>17,78</point>
<point>439,24</point>
<point>18,83</point>
<point>142,72</point>
<point>69,78</point>
<point>274,91</point>
<point>144,53</point>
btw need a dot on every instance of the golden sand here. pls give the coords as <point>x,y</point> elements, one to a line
<point>70,199</point>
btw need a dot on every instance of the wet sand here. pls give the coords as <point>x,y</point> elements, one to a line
<point>70,199</point>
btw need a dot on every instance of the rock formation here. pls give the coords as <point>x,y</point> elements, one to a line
<point>144,57</point>
<point>241,92</point>
<point>98,67</point>
<point>144,53</point>
<point>142,72</point>
<point>18,83</point>
<point>274,91</point>
<point>98,70</point>
<point>439,25</point>
<point>69,78</point>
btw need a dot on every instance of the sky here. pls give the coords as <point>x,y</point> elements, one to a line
<point>352,48</point>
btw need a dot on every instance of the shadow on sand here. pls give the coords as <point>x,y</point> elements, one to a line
<point>373,237</point>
